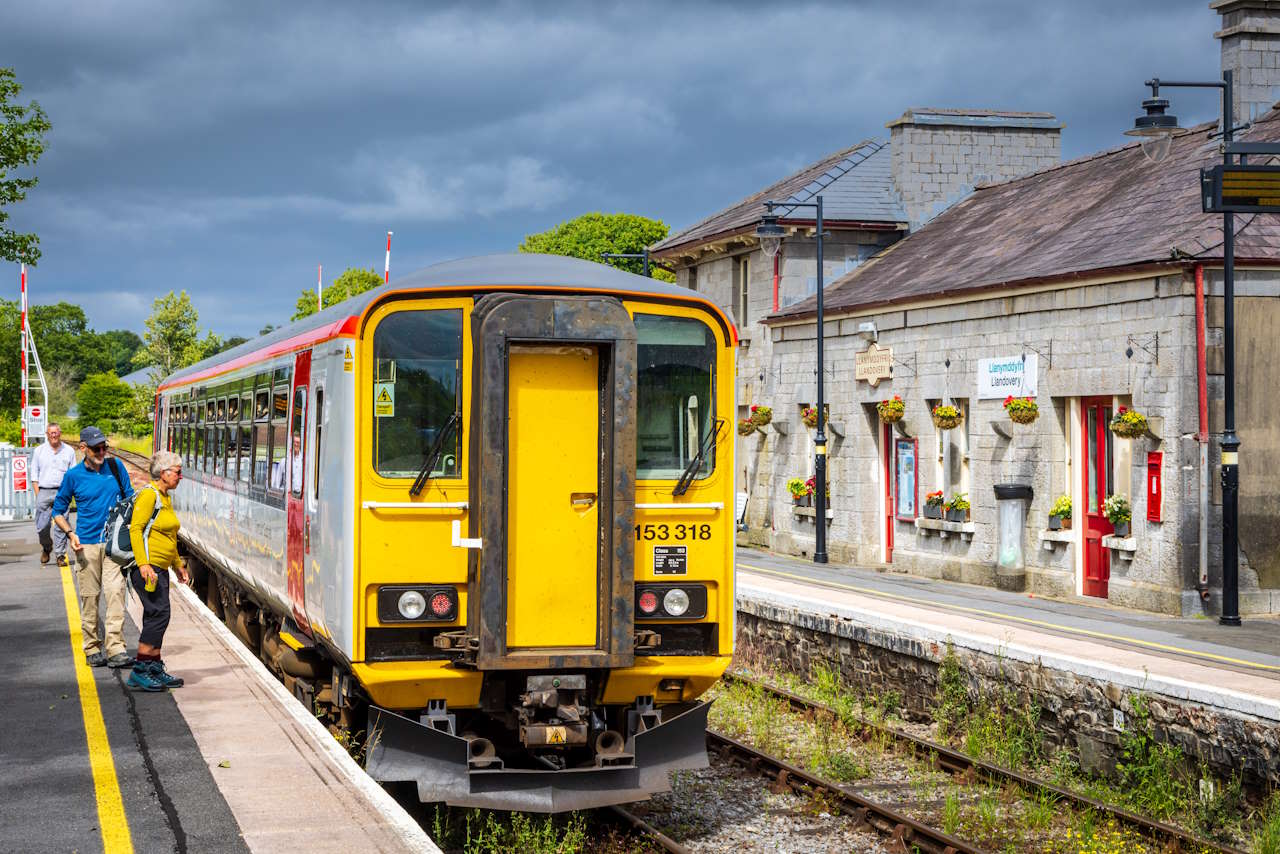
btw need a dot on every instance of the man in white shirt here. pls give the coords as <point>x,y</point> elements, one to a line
<point>287,473</point>
<point>49,462</point>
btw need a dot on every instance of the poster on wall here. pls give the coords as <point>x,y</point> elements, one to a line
<point>905,480</point>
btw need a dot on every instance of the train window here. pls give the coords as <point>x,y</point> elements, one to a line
<point>233,409</point>
<point>262,405</point>
<point>317,416</point>
<point>676,358</point>
<point>279,436</point>
<point>417,358</point>
<point>297,429</point>
<point>260,451</point>
<point>233,450</point>
<point>222,409</point>
<point>246,406</point>
<point>197,447</point>
<point>246,451</point>
<point>211,411</point>
<point>218,449</point>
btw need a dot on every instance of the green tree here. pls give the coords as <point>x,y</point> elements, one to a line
<point>228,343</point>
<point>591,235</point>
<point>353,281</point>
<point>121,345</point>
<point>173,336</point>
<point>22,130</point>
<point>68,349</point>
<point>104,401</point>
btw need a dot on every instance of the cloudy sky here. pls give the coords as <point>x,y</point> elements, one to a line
<point>229,147</point>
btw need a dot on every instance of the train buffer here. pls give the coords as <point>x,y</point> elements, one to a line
<point>228,763</point>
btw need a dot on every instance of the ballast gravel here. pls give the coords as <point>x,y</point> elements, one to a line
<point>724,808</point>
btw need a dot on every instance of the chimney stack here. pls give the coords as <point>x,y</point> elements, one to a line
<point>1250,37</point>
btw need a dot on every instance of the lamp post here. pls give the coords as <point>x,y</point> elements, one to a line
<point>609,256</point>
<point>1156,131</point>
<point>770,235</point>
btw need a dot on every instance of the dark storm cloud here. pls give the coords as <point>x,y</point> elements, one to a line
<point>229,148</point>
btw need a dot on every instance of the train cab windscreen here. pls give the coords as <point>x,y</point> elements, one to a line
<point>416,383</point>
<point>676,359</point>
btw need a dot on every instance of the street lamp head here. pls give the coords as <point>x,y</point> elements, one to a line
<point>770,234</point>
<point>1154,130</point>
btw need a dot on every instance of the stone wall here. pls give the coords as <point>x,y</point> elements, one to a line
<point>1076,710</point>
<point>938,157</point>
<point>1250,37</point>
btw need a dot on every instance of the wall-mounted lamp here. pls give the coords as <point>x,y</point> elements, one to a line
<point>868,330</point>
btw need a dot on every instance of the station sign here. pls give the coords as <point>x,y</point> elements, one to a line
<point>1244,188</point>
<point>1009,375</point>
<point>20,473</point>
<point>873,364</point>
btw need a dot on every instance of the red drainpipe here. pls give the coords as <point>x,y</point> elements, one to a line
<point>1202,383</point>
<point>776,259</point>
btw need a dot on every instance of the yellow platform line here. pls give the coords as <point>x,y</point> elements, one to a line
<point>111,816</point>
<point>1164,647</point>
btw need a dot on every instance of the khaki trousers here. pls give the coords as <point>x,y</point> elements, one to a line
<point>96,575</point>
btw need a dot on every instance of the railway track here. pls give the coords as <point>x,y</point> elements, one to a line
<point>960,766</point>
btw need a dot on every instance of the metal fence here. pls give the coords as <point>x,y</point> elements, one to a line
<point>15,504</point>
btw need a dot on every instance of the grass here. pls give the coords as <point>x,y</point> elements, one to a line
<point>1266,835</point>
<point>488,832</point>
<point>138,445</point>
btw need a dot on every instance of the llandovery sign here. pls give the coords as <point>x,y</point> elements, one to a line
<point>1010,375</point>
<point>873,365</point>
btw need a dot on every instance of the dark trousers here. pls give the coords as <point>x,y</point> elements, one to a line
<point>155,606</point>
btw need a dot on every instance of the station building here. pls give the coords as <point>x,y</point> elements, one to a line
<point>965,263</point>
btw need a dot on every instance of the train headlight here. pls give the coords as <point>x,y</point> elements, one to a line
<point>676,602</point>
<point>411,604</point>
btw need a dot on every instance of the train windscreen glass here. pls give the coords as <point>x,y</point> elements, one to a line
<point>676,359</point>
<point>417,358</point>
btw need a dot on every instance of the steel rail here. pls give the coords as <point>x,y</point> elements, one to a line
<point>958,763</point>
<point>637,823</point>
<point>911,834</point>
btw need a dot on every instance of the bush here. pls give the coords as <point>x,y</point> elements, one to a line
<point>104,400</point>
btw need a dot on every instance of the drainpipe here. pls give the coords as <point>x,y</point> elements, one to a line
<point>1203,435</point>
<point>776,261</point>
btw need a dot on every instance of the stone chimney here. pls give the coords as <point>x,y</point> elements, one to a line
<point>939,155</point>
<point>1250,37</point>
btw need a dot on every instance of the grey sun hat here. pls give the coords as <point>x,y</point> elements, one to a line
<point>92,437</point>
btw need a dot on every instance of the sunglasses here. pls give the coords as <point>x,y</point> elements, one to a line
<point>98,449</point>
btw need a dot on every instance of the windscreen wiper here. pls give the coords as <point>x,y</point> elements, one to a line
<point>695,464</point>
<point>433,457</point>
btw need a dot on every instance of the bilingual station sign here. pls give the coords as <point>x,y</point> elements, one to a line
<point>1240,189</point>
<point>1010,375</point>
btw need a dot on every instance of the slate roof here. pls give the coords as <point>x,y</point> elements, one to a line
<point>1109,210</point>
<point>855,184</point>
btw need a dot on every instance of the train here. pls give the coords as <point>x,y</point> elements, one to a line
<point>479,518</point>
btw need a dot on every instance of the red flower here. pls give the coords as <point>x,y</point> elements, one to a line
<point>754,407</point>
<point>1122,410</point>
<point>1008,400</point>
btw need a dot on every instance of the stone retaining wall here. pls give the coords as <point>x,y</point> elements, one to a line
<point>1077,710</point>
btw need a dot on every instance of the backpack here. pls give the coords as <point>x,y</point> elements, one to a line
<point>115,534</point>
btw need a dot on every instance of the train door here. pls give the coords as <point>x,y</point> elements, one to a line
<point>553,512</point>
<point>1095,454</point>
<point>295,503</point>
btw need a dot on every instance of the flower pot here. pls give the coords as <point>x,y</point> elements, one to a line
<point>761,417</point>
<point>932,511</point>
<point>957,515</point>
<point>1023,416</point>
<point>1066,523</point>
<point>1055,523</point>
<point>947,423</point>
<point>1122,529</point>
<point>891,417</point>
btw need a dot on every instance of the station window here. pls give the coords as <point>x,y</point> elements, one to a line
<point>951,448</point>
<point>676,358</point>
<point>417,359</point>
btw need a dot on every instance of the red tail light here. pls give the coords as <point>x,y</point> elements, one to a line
<point>441,605</point>
<point>648,602</point>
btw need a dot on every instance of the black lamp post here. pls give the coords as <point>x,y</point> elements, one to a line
<point>1156,130</point>
<point>609,256</point>
<point>770,235</point>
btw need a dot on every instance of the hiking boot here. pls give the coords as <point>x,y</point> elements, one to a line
<point>44,557</point>
<point>163,677</point>
<point>142,679</point>
<point>120,659</point>
<point>96,659</point>
<point>64,562</point>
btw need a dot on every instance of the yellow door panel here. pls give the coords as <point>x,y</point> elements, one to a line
<point>553,517</point>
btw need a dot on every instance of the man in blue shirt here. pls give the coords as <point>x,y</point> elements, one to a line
<point>96,484</point>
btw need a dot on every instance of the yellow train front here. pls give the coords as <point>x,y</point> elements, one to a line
<point>538,462</point>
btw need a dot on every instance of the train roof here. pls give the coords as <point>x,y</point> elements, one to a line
<point>483,272</point>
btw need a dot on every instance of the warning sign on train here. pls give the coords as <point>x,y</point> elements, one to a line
<point>384,400</point>
<point>670,560</point>
<point>348,360</point>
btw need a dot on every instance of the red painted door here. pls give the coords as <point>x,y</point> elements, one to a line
<point>295,467</point>
<point>886,445</point>
<point>1095,457</point>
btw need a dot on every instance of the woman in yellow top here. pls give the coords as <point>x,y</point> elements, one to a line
<point>155,549</point>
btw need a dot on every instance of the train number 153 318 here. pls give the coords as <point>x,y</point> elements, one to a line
<point>679,531</point>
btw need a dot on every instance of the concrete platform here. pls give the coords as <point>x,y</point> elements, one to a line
<point>1195,660</point>
<point>228,763</point>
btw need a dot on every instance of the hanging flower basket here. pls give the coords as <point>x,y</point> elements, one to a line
<point>1128,423</point>
<point>946,416</point>
<point>809,415</point>
<point>745,427</point>
<point>761,415</point>
<point>1021,410</point>
<point>891,410</point>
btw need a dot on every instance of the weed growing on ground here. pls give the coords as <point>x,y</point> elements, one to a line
<point>489,832</point>
<point>1150,772</point>
<point>1215,814</point>
<point>951,812</point>
<point>1038,809</point>
<point>953,696</point>
<point>1266,834</point>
